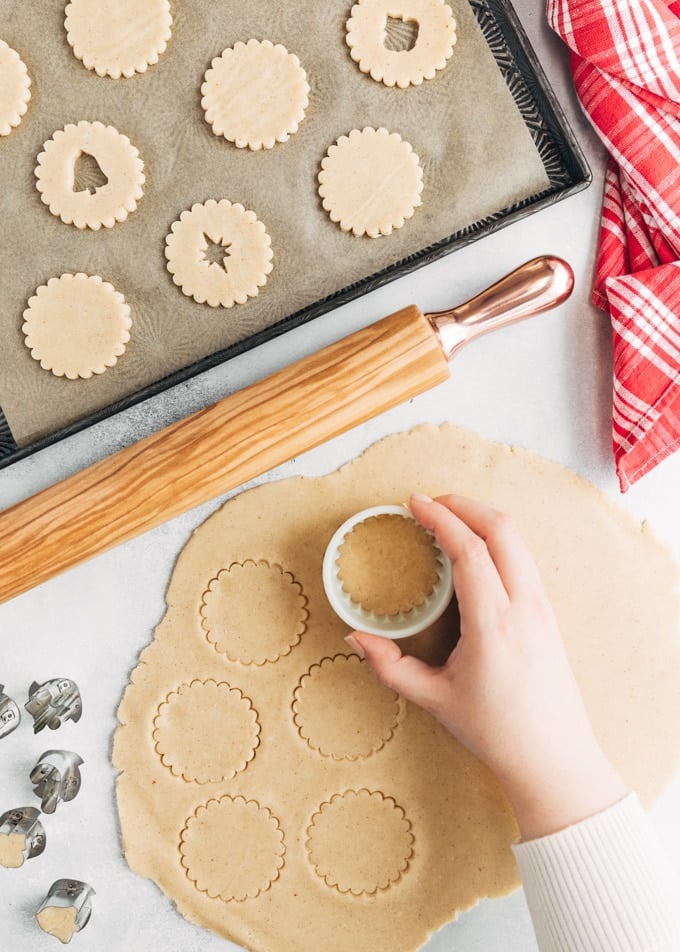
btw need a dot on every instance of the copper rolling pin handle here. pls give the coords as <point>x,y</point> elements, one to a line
<point>536,286</point>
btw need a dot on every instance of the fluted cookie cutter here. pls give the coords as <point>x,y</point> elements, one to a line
<point>56,777</point>
<point>53,702</point>
<point>66,909</point>
<point>10,715</point>
<point>22,836</point>
<point>404,623</point>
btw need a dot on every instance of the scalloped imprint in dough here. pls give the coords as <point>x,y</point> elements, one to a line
<point>360,824</point>
<point>118,159</point>
<point>232,615</point>
<point>255,94</point>
<point>15,89</point>
<point>359,842</point>
<point>366,712</point>
<point>188,712</point>
<point>77,325</point>
<point>433,47</point>
<point>370,182</point>
<point>248,253</point>
<point>118,37</point>
<point>253,856</point>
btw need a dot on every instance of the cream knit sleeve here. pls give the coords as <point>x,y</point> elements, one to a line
<point>602,885</point>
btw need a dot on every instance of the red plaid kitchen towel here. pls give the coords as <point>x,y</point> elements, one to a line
<point>625,60</point>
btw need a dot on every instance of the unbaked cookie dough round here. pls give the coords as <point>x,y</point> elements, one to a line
<point>77,325</point>
<point>118,159</point>
<point>255,94</point>
<point>247,260</point>
<point>433,46</point>
<point>15,89</point>
<point>370,182</point>
<point>118,37</point>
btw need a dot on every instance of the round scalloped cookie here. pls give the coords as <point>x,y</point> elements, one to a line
<point>118,159</point>
<point>15,89</point>
<point>247,259</point>
<point>370,182</point>
<point>255,94</point>
<point>118,37</point>
<point>433,46</point>
<point>77,325</point>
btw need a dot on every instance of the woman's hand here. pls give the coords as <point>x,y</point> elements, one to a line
<point>507,691</point>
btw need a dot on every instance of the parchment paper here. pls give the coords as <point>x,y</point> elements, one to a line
<point>477,154</point>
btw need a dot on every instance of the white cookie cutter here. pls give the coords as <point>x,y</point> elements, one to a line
<point>390,626</point>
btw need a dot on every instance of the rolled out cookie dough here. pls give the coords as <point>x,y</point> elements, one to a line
<point>117,158</point>
<point>374,841</point>
<point>370,182</point>
<point>433,46</point>
<point>118,37</point>
<point>255,94</point>
<point>15,89</point>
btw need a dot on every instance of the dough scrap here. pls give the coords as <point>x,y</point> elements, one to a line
<point>77,325</point>
<point>433,46</point>
<point>118,159</point>
<point>12,850</point>
<point>247,260</point>
<point>59,922</point>
<point>370,182</point>
<point>15,89</point>
<point>118,37</point>
<point>255,94</point>
<point>388,564</point>
<point>374,854</point>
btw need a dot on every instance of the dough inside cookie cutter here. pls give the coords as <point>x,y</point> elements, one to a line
<point>403,624</point>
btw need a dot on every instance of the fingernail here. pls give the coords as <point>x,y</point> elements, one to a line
<point>354,645</point>
<point>419,497</point>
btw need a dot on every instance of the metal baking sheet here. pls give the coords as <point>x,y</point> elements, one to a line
<point>501,65</point>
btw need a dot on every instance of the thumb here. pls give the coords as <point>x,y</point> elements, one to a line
<point>413,679</point>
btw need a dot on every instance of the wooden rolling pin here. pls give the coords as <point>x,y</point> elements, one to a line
<point>256,429</point>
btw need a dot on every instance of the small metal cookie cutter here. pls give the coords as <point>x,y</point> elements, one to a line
<point>53,702</point>
<point>10,715</point>
<point>23,821</point>
<point>66,894</point>
<point>56,777</point>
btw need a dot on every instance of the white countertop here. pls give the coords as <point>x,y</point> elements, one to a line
<point>544,384</point>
